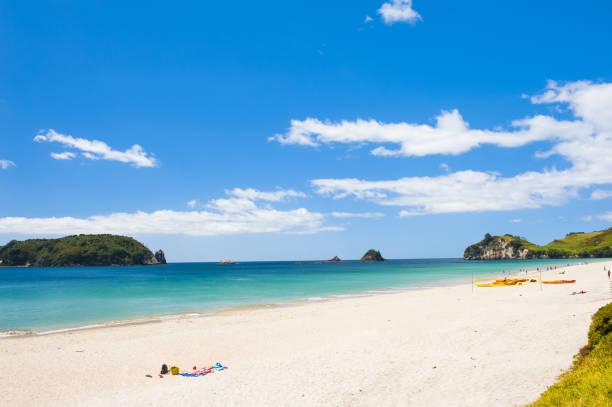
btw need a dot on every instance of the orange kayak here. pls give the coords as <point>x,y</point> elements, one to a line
<point>559,282</point>
<point>504,282</point>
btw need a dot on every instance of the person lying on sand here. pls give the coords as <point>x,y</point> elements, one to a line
<point>579,292</point>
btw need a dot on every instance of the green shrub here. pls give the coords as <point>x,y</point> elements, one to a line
<point>589,382</point>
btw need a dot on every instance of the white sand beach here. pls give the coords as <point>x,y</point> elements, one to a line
<point>438,347</point>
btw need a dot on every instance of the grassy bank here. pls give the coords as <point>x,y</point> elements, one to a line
<point>589,381</point>
<point>596,244</point>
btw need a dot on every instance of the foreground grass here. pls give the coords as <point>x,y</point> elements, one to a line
<point>589,381</point>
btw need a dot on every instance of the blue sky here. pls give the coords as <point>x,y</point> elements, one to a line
<point>304,130</point>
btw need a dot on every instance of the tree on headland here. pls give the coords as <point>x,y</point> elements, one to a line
<point>79,250</point>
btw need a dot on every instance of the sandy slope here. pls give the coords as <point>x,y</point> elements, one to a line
<point>438,347</point>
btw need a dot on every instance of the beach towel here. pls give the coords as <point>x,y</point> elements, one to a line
<point>203,372</point>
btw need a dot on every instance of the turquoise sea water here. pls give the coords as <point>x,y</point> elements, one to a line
<point>51,298</point>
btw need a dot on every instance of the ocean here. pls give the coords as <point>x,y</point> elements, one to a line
<point>45,299</point>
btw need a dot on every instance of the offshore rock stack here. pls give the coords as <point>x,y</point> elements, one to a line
<point>160,257</point>
<point>372,255</point>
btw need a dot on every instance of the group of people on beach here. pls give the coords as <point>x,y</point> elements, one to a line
<point>549,268</point>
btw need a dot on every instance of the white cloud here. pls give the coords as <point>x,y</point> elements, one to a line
<point>585,142</point>
<point>450,135</point>
<point>445,167</point>
<point>192,203</point>
<point>99,150</point>
<point>587,218</point>
<point>601,194</point>
<point>590,101</point>
<point>515,220</point>
<point>357,215</point>
<point>66,155</point>
<point>225,216</point>
<point>274,196</point>
<point>464,191</point>
<point>368,19</point>
<point>4,164</point>
<point>606,216</point>
<point>396,11</point>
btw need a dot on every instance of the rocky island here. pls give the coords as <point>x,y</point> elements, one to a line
<point>160,256</point>
<point>335,259</point>
<point>573,245</point>
<point>79,250</point>
<point>372,255</point>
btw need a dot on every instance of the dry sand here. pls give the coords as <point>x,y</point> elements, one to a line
<point>438,347</point>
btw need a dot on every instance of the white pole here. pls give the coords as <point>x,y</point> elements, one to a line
<point>472,282</point>
<point>541,281</point>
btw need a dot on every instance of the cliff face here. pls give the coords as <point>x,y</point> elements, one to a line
<point>497,248</point>
<point>573,245</point>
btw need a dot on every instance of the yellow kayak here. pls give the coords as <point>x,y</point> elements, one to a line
<point>496,285</point>
<point>505,282</point>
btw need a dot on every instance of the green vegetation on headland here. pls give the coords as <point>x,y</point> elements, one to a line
<point>575,245</point>
<point>589,381</point>
<point>372,255</point>
<point>81,250</point>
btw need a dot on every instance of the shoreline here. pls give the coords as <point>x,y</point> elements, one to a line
<point>15,333</point>
<point>21,333</point>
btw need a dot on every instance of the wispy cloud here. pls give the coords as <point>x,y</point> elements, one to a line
<point>515,220</point>
<point>601,194</point>
<point>273,196</point>
<point>606,216</point>
<point>368,19</point>
<point>233,215</point>
<point>445,167</point>
<point>451,135</point>
<point>582,142</point>
<point>357,214</point>
<point>5,164</point>
<point>97,150</point>
<point>399,11</point>
<point>66,155</point>
<point>192,204</point>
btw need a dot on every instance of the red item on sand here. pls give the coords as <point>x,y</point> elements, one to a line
<point>194,368</point>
